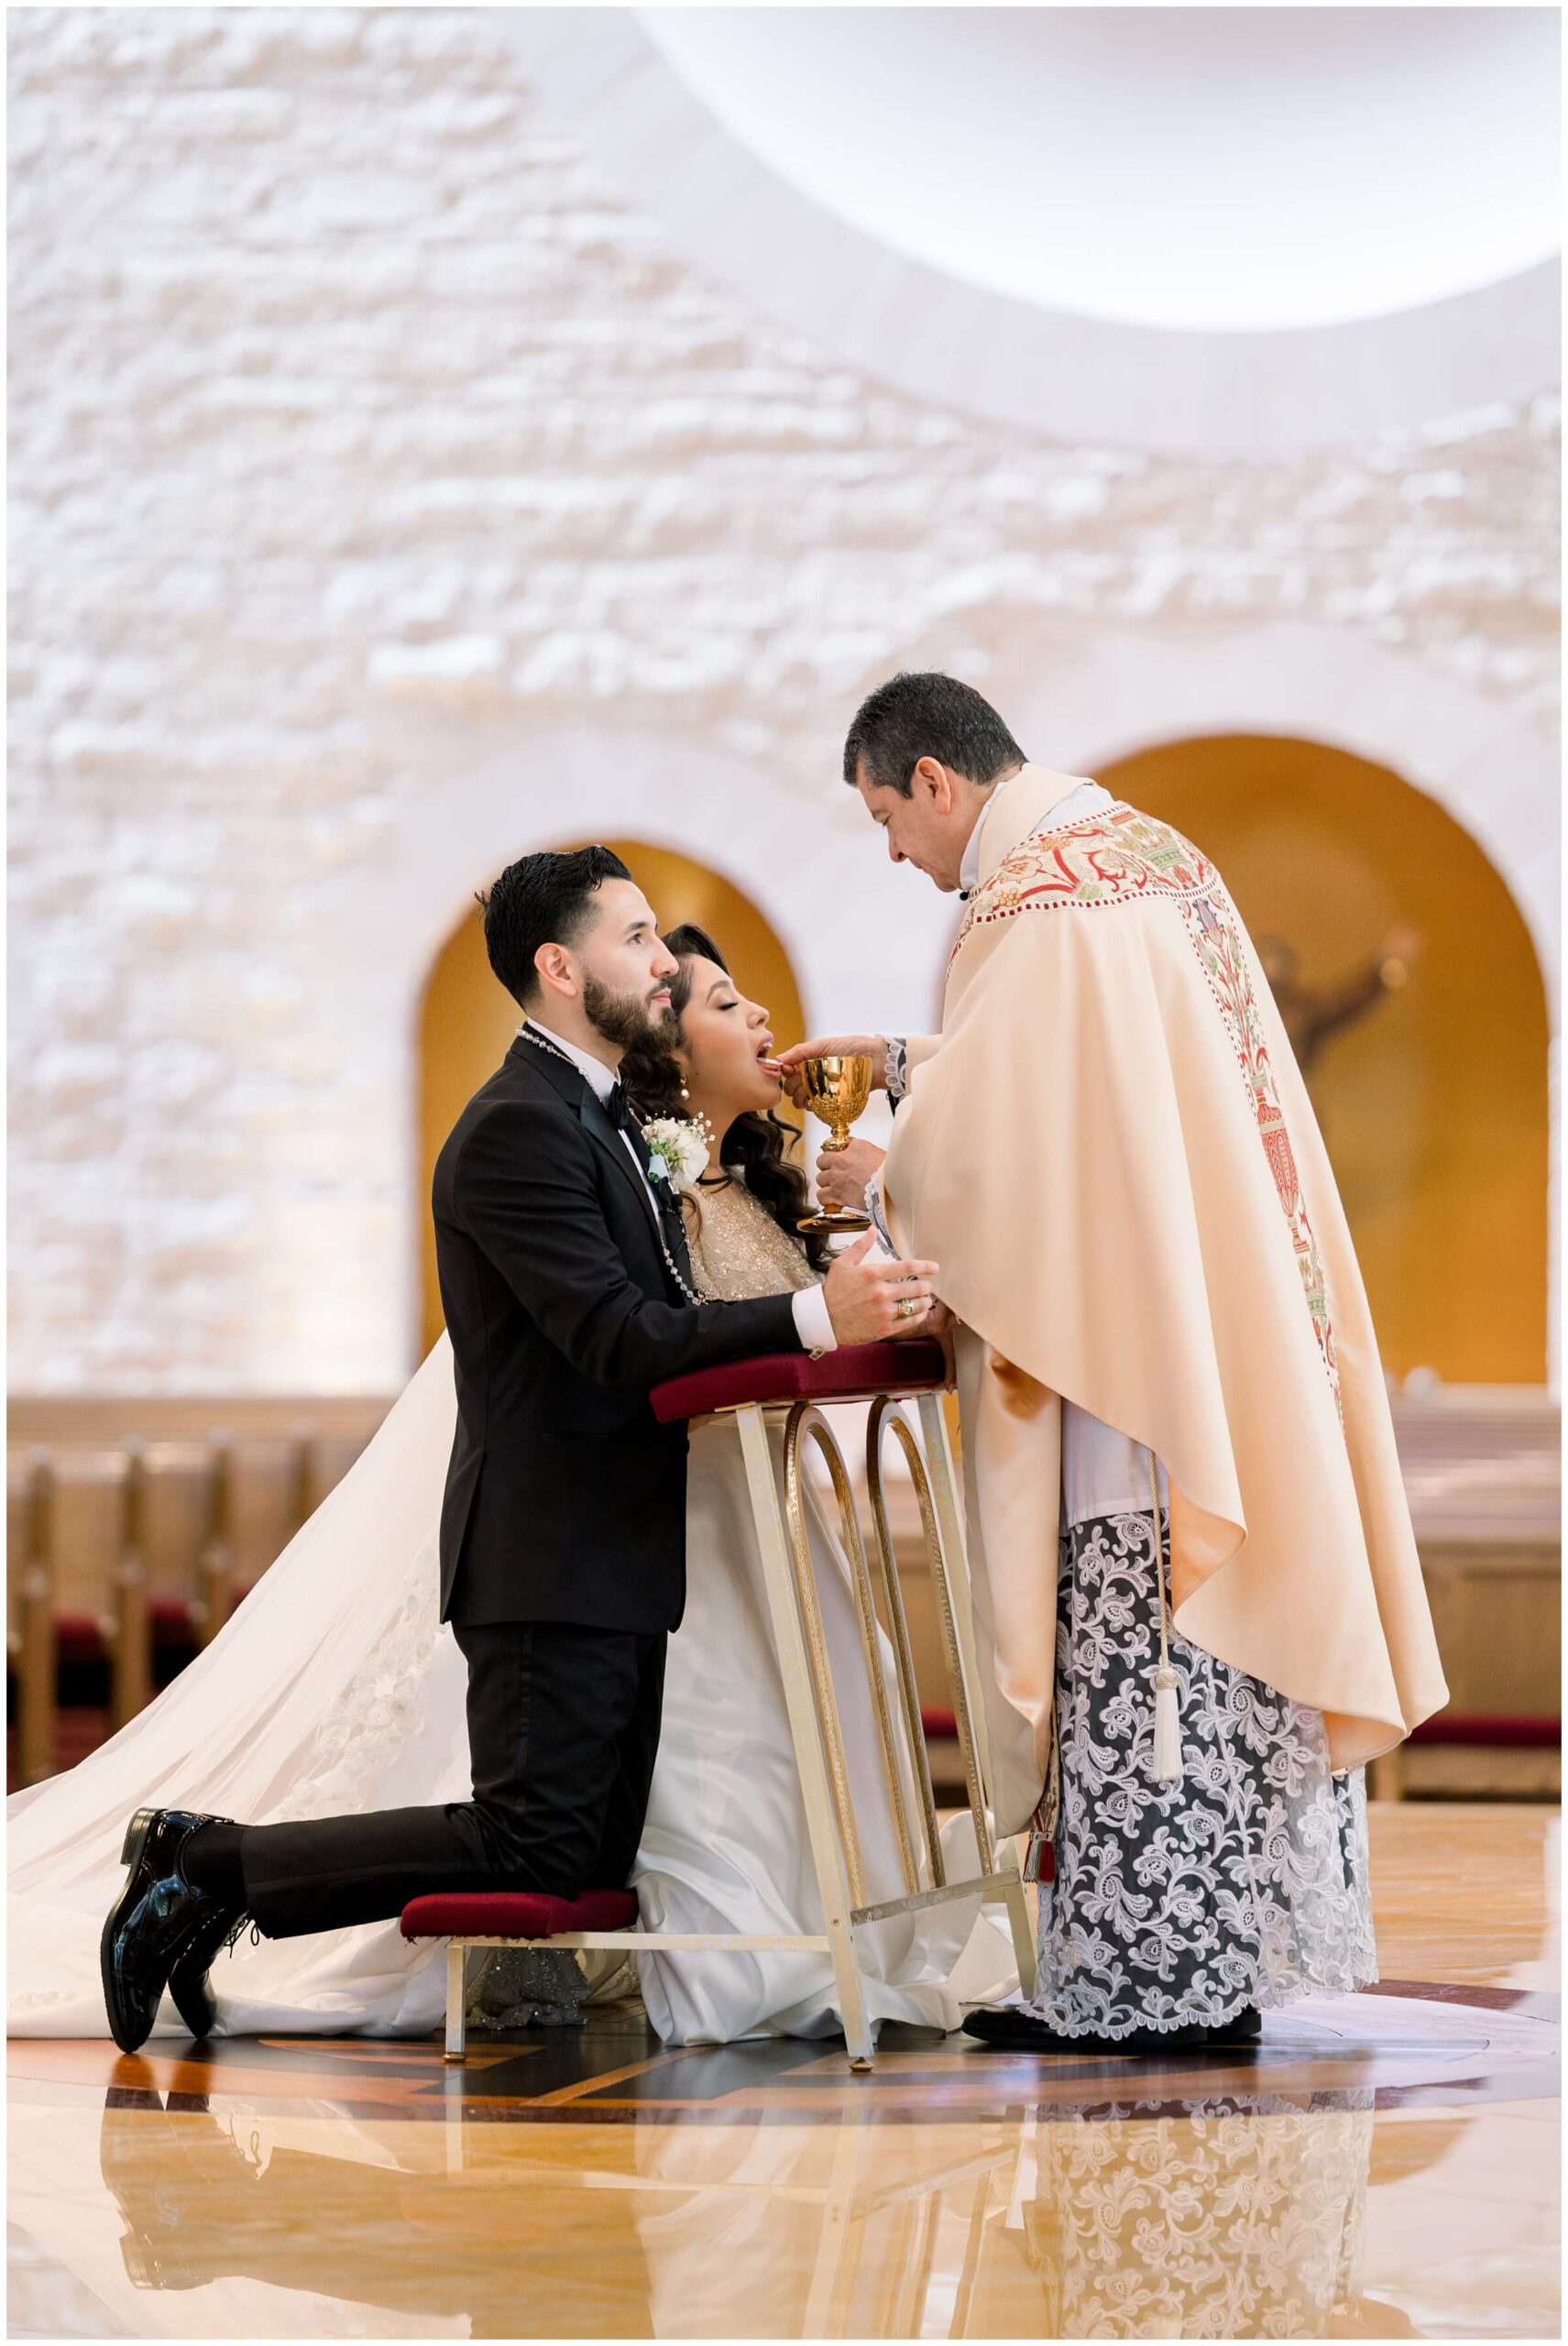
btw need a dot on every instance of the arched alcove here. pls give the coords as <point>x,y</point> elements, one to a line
<point>867,943</point>
<point>1434,1100</point>
<point>467,1020</point>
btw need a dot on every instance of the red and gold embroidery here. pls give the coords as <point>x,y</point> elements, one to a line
<point>1216,934</point>
<point>1124,858</point>
<point>1117,858</point>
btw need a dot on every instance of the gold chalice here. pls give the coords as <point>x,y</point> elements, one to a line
<point>837,1090</point>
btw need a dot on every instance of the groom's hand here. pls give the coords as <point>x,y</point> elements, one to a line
<point>833,1046</point>
<point>868,1297</point>
<point>842,1174</point>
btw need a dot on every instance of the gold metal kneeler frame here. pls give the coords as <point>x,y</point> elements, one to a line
<point>813,1708</point>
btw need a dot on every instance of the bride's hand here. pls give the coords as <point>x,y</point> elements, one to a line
<point>833,1046</point>
<point>871,1297</point>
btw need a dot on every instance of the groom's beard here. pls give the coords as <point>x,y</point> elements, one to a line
<point>624,1019</point>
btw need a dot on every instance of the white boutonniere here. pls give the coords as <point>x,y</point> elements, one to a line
<point>677,1149</point>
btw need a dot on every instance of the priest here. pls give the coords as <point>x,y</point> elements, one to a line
<point>1198,1603</point>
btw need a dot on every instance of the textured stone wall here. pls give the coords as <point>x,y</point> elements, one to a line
<point>358,431</point>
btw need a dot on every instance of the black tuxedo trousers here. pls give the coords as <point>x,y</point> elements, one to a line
<point>562,1728</point>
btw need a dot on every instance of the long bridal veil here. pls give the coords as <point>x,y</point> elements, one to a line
<point>331,1689</point>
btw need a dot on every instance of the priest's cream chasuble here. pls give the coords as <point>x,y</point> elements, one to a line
<point>1110,1151</point>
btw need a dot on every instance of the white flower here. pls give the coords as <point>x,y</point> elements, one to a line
<point>678,1147</point>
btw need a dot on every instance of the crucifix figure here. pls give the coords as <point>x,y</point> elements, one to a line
<point>1311,1014</point>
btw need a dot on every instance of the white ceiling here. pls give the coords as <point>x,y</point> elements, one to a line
<point>1207,169</point>
<point>1234,230</point>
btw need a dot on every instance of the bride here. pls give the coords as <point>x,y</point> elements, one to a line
<point>333,1689</point>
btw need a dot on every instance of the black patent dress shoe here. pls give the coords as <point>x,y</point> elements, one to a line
<point>151,1921</point>
<point>1243,2028</point>
<point>1007,2030</point>
<point>188,1984</point>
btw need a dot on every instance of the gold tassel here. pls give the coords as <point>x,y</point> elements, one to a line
<point>1165,1766</point>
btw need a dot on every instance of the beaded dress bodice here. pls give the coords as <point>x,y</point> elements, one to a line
<point>736,1248</point>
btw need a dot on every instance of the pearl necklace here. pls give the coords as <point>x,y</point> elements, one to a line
<point>689,1292</point>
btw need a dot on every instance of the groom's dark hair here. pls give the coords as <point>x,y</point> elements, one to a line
<point>922,714</point>
<point>545,899</point>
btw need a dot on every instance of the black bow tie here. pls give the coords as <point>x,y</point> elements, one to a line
<point>618,1109</point>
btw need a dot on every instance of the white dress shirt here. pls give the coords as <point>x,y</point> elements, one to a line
<point>813,1322</point>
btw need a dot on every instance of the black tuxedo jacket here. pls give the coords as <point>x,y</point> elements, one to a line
<point>565,1498</point>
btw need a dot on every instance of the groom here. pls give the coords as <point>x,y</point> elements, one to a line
<point>568,1293</point>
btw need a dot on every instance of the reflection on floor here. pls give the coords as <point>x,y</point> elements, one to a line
<point>1381,2167</point>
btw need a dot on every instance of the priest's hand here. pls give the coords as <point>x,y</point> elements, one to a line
<point>842,1174</point>
<point>870,1296</point>
<point>833,1046</point>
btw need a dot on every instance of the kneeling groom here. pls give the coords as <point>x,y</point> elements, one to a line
<point>568,1293</point>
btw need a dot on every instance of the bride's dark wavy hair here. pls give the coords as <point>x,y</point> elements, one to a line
<point>757,1144</point>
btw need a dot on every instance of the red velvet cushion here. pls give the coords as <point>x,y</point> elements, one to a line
<point>79,1638</point>
<point>854,1372</point>
<point>515,1914</point>
<point>81,1634</point>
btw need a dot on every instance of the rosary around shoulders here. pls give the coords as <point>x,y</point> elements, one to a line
<point>673,1144</point>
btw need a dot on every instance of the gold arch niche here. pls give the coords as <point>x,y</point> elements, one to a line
<point>467,1020</point>
<point>1433,1102</point>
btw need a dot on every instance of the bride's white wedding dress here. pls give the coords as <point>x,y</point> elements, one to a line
<point>333,1690</point>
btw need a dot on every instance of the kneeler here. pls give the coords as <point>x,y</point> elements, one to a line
<point>759,1393</point>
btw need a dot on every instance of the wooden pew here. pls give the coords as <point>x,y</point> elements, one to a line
<point>31,1645</point>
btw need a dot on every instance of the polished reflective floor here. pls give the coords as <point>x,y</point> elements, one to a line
<point>1384,2167</point>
